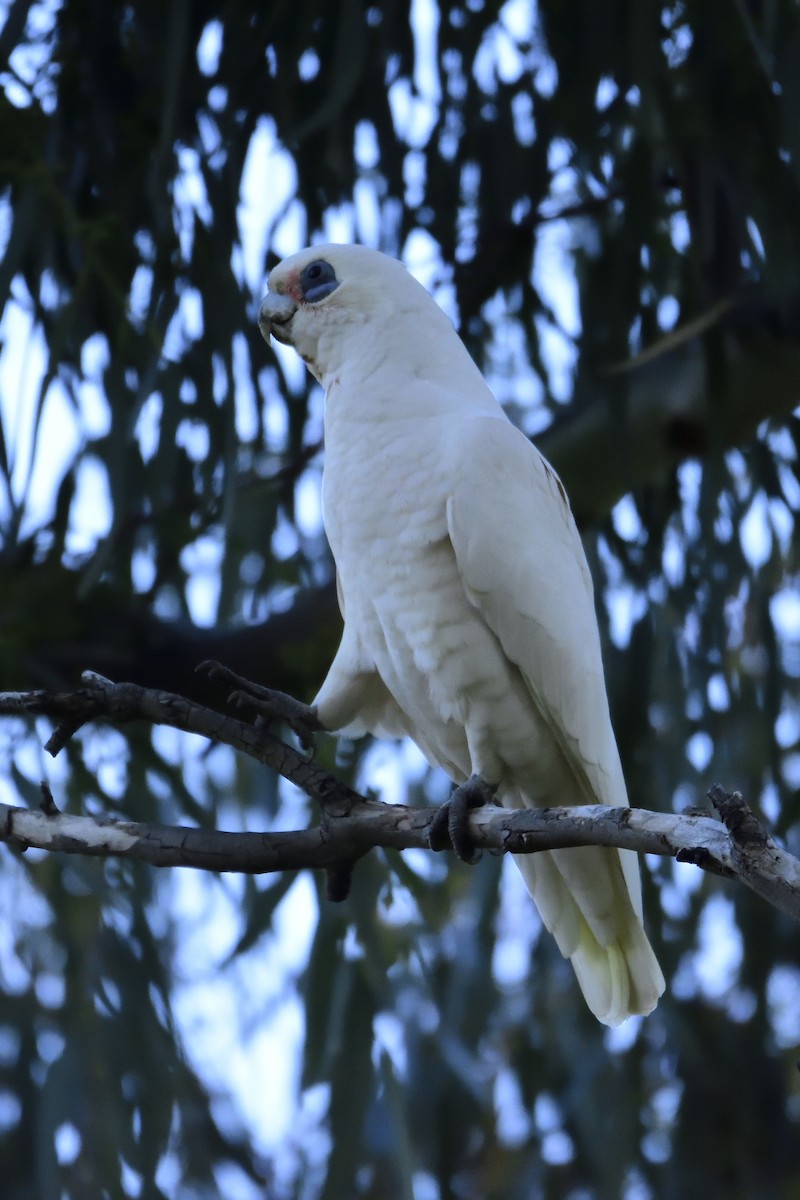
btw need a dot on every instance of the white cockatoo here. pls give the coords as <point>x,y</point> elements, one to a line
<point>469,620</point>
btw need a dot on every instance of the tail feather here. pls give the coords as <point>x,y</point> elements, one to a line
<point>614,963</point>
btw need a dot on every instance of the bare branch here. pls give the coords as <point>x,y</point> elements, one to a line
<point>102,700</point>
<point>756,858</point>
<point>351,825</point>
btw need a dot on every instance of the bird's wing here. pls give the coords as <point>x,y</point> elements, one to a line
<point>523,568</point>
<point>522,564</point>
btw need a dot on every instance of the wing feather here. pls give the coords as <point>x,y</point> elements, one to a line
<point>523,567</point>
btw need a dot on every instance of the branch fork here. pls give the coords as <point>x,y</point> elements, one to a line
<point>735,846</point>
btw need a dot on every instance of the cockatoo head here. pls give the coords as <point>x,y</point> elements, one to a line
<point>345,304</point>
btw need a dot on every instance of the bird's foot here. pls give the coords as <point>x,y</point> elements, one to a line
<point>450,824</point>
<point>268,704</point>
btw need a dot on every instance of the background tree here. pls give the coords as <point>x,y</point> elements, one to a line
<point>604,196</point>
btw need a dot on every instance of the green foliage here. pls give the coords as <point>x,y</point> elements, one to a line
<point>155,161</point>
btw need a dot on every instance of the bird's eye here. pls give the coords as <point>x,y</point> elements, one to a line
<point>318,280</point>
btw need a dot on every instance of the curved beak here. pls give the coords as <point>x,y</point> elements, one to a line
<point>274,314</point>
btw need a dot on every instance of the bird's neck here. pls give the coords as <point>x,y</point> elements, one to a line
<point>401,374</point>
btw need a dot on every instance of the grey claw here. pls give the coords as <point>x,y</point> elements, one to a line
<point>450,824</point>
<point>268,704</point>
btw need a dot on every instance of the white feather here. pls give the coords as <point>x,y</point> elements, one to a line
<point>469,615</point>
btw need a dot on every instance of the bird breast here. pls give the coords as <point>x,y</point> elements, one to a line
<point>385,504</point>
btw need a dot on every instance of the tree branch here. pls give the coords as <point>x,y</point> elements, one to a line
<point>613,441</point>
<point>350,825</point>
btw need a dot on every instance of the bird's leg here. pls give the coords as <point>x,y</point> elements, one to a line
<point>269,705</point>
<point>450,824</point>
